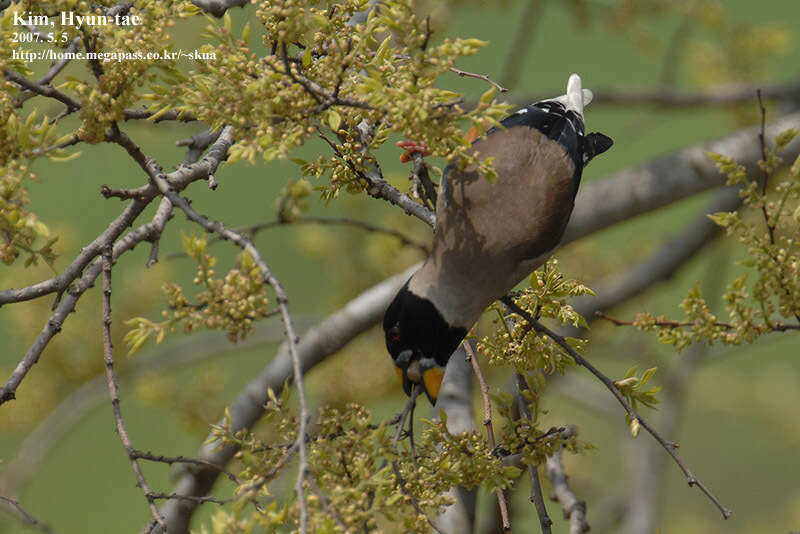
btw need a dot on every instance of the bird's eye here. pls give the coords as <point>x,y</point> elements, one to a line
<point>394,333</point>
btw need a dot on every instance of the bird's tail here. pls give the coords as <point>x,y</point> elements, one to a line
<point>576,98</point>
<point>574,95</point>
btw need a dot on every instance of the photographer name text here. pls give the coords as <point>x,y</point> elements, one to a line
<point>69,18</point>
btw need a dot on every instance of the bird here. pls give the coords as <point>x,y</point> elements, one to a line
<point>489,235</point>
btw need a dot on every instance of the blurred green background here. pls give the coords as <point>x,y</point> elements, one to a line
<point>740,430</point>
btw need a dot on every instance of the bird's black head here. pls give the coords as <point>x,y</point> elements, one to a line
<point>420,341</point>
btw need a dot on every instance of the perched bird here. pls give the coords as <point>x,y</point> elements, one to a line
<point>490,235</point>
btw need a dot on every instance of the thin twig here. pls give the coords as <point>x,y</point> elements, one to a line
<point>192,498</point>
<point>668,446</point>
<point>169,460</point>
<point>647,465</point>
<point>72,140</point>
<point>254,229</point>
<point>171,115</point>
<point>113,389</point>
<point>55,69</point>
<point>487,423</point>
<point>25,517</point>
<point>533,471</point>
<point>409,407</point>
<point>377,187</point>
<point>668,323</point>
<point>44,90</point>
<point>82,272</point>
<point>765,158</point>
<point>325,504</point>
<point>401,482</point>
<point>483,77</point>
<point>280,295</point>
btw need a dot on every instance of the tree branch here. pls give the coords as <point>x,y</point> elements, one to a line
<point>724,95</point>
<point>219,7</point>
<point>533,471</point>
<point>171,115</point>
<point>55,69</point>
<point>669,178</point>
<point>15,508</point>
<point>621,189</point>
<point>455,399</point>
<point>377,187</point>
<point>44,90</point>
<point>246,245</point>
<point>668,446</point>
<point>88,273</point>
<point>316,344</point>
<point>647,464</point>
<point>487,423</point>
<point>664,263</point>
<point>516,59</point>
<point>81,401</point>
<point>141,196</point>
<point>113,388</point>
<point>574,509</point>
<point>483,77</point>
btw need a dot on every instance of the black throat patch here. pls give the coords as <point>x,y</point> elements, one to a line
<point>413,322</point>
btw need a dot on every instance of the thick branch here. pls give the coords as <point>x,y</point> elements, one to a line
<point>664,263</point>
<point>574,509</point>
<point>322,340</point>
<point>455,399</point>
<point>39,443</point>
<point>668,178</point>
<point>620,189</point>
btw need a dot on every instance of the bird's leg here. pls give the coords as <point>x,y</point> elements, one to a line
<point>422,187</point>
<point>411,431</point>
